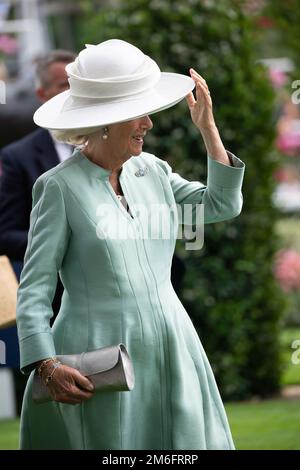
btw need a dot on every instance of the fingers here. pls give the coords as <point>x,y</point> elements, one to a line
<point>202,93</point>
<point>73,398</point>
<point>83,381</point>
<point>79,395</point>
<point>190,100</point>
<point>70,386</point>
<point>198,79</point>
<point>73,395</point>
<point>195,75</point>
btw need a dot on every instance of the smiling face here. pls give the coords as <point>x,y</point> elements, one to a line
<point>126,139</point>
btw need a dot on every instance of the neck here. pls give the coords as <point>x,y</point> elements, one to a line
<point>105,160</point>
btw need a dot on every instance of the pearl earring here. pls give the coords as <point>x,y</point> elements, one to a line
<point>105,133</point>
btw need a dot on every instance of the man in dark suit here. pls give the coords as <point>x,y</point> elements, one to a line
<point>23,161</point>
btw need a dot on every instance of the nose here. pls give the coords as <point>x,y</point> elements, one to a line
<point>146,123</point>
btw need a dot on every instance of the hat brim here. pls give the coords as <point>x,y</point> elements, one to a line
<point>64,111</point>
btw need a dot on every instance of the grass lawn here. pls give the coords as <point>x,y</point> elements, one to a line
<point>265,425</point>
<point>9,434</point>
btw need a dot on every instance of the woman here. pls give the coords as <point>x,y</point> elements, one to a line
<point>118,289</point>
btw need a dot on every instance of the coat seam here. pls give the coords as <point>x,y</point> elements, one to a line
<point>134,295</point>
<point>88,303</point>
<point>156,328</point>
<point>169,384</point>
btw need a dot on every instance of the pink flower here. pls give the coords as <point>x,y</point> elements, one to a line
<point>287,269</point>
<point>288,143</point>
<point>8,44</point>
<point>278,78</point>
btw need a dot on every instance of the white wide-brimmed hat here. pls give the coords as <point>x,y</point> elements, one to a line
<point>111,82</point>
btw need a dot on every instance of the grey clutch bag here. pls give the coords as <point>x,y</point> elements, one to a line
<point>110,369</point>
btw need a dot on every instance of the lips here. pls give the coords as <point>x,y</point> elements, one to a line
<point>139,138</point>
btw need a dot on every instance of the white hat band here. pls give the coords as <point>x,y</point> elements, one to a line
<point>144,79</point>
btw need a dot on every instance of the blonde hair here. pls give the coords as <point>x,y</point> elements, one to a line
<point>74,136</point>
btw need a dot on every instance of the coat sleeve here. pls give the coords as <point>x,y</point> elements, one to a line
<point>221,196</point>
<point>47,243</point>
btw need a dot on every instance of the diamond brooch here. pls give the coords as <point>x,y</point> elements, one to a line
<point>141,172</point>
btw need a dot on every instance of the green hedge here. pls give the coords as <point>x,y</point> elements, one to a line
<point>285,20</point>
<point>229,288</point>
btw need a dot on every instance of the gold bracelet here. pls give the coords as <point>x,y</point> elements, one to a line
<point>54,359</point>
<point>49,377</point>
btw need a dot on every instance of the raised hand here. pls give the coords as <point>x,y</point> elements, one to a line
<point>201,107</point>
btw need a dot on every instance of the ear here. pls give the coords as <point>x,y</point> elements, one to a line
<point>42,94</point>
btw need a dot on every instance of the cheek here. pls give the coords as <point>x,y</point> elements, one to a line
<point>129,141</point>
<point>123,142</point>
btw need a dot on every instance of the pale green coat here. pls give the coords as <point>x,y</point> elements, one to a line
<point>119,291</point>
